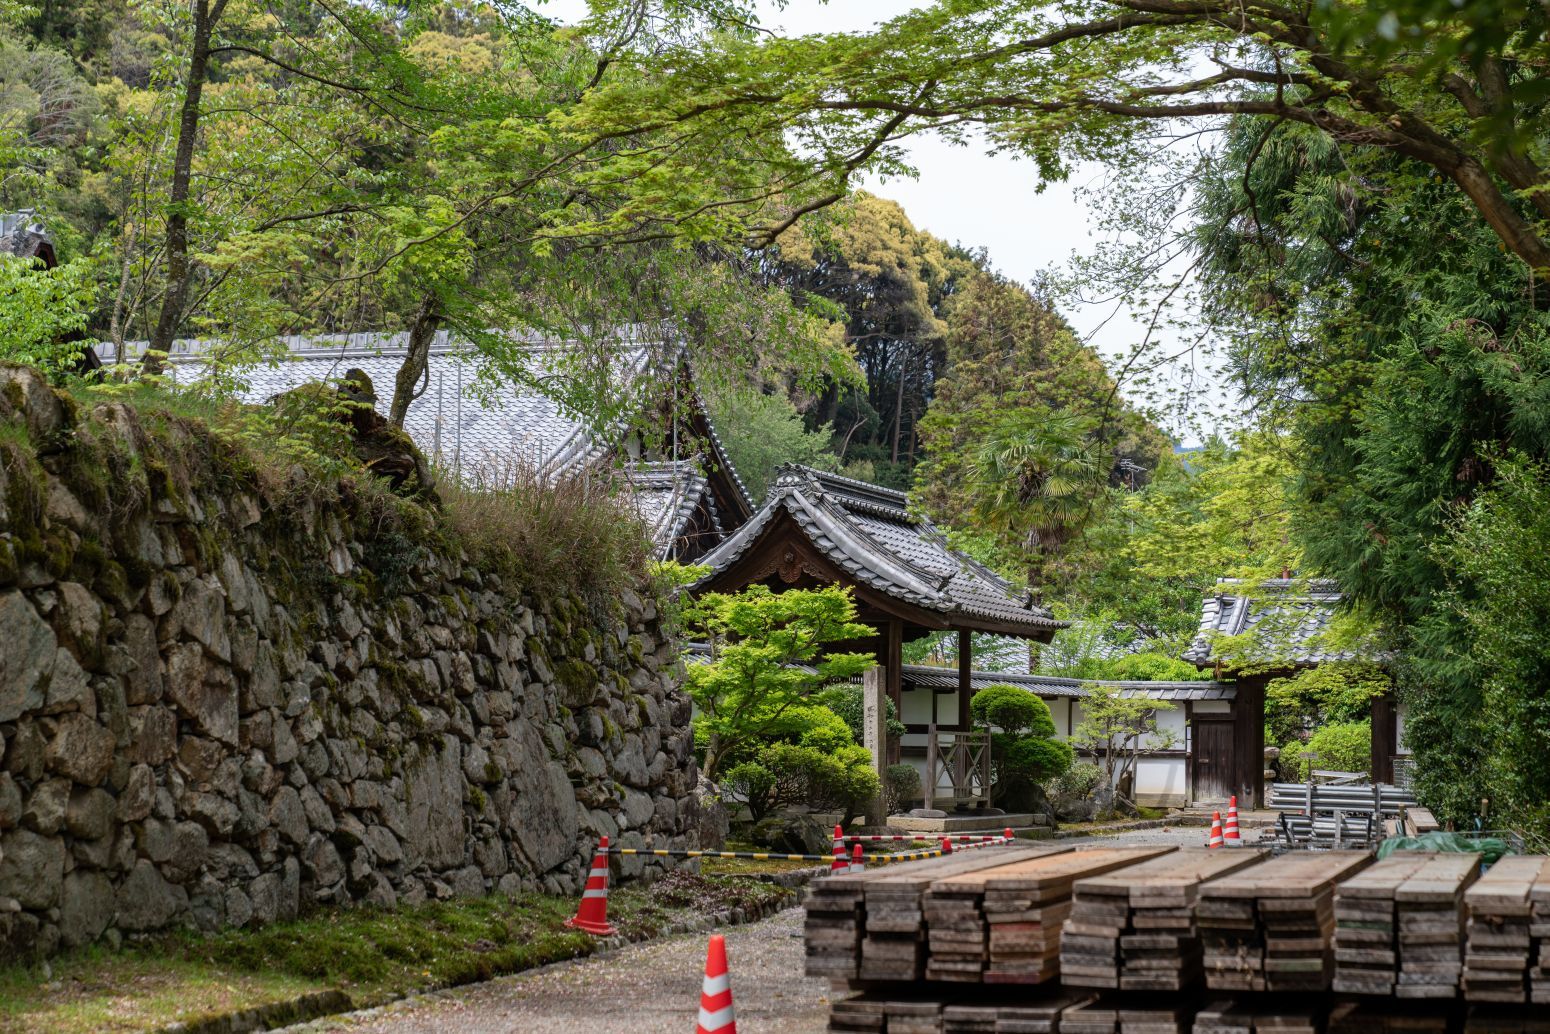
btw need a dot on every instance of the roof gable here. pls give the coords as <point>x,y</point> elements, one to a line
<point>868,533</point>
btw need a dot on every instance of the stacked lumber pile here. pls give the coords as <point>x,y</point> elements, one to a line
<point>1010,1016</point>
<point>1539,930</point>
<point>1002,925</point>
<point>835,914</point>
<point>1379,1017</point>
<point>1366,945</point>
<point>1430,904</point>
<point>1398,926</point>
<point>1249,1018</point>
<point>1499,940</point>
<point>875,1012</point>
<point>1135,929</point>
<point>1267,927</point>
<point>893,944</point>
<point>1503,1019</point>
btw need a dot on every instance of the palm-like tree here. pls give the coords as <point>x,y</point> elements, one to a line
<point>1037,482</point>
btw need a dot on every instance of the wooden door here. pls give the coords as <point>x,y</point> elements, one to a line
<point>1213,757</point>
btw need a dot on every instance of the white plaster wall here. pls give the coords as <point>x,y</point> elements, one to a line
<point>1160,782</point>
<point>915,707</point>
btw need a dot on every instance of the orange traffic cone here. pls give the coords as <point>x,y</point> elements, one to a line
<point>1216,830</point>
<point>839,864</point>
<point>592,915</point>
<point>716,1015</point>
<point>947,845</point>
<point>857,862</point>
<point>1230,830</point>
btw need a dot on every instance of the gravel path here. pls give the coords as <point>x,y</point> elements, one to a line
<point>652,988</point>
<point>643,989</point>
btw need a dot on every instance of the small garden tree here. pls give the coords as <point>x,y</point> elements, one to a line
<point>767,657</point>
<point>815,762</point>
<point>1341,747</point>
<point>1024,751</point>
<point>1117,729</point>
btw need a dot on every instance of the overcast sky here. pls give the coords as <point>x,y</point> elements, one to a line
<point>968,197</point>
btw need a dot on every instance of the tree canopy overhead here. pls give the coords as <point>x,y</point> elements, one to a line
<point>1098,80</point>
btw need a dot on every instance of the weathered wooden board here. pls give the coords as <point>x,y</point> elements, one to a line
<point>1002,925</point>
<point>1269,927</point>
<point>1135,929</point>
<point>836,925</point>
<point>1500,946</point>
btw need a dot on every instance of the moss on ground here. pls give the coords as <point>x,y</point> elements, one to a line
<point>373,955</point>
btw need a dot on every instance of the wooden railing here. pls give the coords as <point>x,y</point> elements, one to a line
<point>964,758</point>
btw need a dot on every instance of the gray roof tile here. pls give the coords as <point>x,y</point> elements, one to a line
<point>869,532</point>
<point>474,434</point>
<point>1287,617</point>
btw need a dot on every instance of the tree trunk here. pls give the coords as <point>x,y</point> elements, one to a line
<point>176,239</point>
<point>713,757</point>
<point>406,386</point>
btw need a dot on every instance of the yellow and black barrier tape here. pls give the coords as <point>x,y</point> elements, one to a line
<point>768,856</point>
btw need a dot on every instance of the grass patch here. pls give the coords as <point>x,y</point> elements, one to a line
<point>573,533</point>
<point>573,536</point>
<point>372,954</point>
<point>749,867</point>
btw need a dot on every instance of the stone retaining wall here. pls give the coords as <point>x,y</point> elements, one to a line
<point>221,702</point>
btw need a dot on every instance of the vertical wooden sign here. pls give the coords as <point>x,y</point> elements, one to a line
<point>874,733</point>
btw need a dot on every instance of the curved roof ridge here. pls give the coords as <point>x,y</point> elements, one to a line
<point>840,527</point>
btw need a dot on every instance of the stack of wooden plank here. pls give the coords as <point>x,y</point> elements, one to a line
<point>877,1011</point>
<point>836,906</point>
<point>1387,1017</point>
<point>1267,928</point>
<point>1002,925</point>
<point>1135,929</point>
<point>1020,1015</point>
<point>1498,940</point>
<point>1366,949</point>
<point>893,922</point>
<point>1430,906</point>
<point>1539,931</point>
<point>1501,1019</point>
<point>1227,1017</point>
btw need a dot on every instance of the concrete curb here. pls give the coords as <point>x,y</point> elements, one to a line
<point>304,1013</point>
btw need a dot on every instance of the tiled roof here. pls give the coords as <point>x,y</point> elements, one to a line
<point>22,236</point>
<point>868,532</point>
<point>509,424</point>
<point>1048,686</point>
<point>1287,617</point>
<point>479,433</point>
<point>666,495</point>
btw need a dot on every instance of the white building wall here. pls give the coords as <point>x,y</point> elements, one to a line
<point>1160,781</point>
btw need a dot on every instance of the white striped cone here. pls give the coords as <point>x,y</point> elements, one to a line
<point>716,1015</point>
<point>1216,830</point>
<point>592,914</point>
<point>1230,829</point>
<point>840,863</point>
<point>857,860</point>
